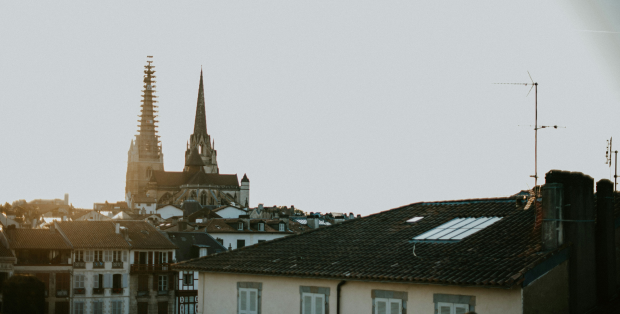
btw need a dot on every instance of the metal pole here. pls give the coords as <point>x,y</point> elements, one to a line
<point>536,135</point>
<point>616,172</point>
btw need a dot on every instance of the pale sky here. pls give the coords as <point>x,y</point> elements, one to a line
<point>345,106</point>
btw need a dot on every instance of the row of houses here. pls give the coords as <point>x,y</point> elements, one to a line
<point>549,250</point>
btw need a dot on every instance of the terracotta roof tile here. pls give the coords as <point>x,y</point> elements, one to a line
<point>93,234</point>
<point>36,239</point>
<point>143,235</point>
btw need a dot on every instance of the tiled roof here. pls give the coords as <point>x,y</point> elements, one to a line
<point>176,179</point>
<point>36,239</point>
<point>229,225</point>
<point>93,234</point>
<point>188,242</point>
<point>143,235</point>
<point>378,248</point>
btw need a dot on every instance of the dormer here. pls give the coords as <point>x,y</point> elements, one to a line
<point>240,226</point>
<point>261,226</point>
<point>281,226</point>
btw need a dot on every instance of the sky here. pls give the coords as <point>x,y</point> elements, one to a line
<point>330,106</point>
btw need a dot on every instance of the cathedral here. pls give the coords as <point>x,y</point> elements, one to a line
<point>200,180</point>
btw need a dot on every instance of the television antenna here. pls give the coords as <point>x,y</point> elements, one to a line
<point>536,127</point>
<point>608,161</point>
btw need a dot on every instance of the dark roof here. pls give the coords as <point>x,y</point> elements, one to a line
<point>189,242</point>
<point>143,235</point>
<point>190,206</point>
<point>245,178</point>
<point>194,158</point>
<point>378,248</point>
<point>176,179</point>
<point>223,225</point>
<point>93,234</point>
<point>36,239</point>
<point>203,213</point>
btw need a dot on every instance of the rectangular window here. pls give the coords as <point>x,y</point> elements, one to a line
<point>79,256</point>
<point>163,283</point>
<point>143,283</point>
<point>116,281</point>
<point>89,256</point>
<point>78,307</point>
<point>454,304</point>
<point>313,303</point>
<point>79,281</point>
<point>163,258</point>
<point>97,307</point>
<point>261,226</point>
<point>188,278</point>
<point>281,227</point>
<point>187,304</point>
<point>240,226</point>
<point>248,301</point>
<point>98,256</point>
<point>388,306</point>
<point>202,252</point>
<point>117,307</point>
<point>456,229</point>
<point>107,256</point>
<point>62,284</point>
<point>119,256</point>
<point>240,243</point>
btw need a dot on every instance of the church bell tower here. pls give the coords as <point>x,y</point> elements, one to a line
<point>145,154</point>
<point>201,139</point>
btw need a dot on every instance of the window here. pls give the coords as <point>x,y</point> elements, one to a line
<point>240,243</point>
<point>388,302</point>
<point>187,304</point>
<point>117,307</point>
<point>202,252</point>
<point>78,307</point>
<point>99,256</point>
<point>203,199</point>
<point>188,278</point>
<point>98,284</point>
<point>119,256</point>
<point>89,256</point>
<point>117,281</point>
<point>240,226</point>
<point>456,229</point>
<point>453,304</point>
<point>79,281</point>
<point>62,284</point>
<point>107,256</point>
<point>248,301</point>
<point>281,226</point>
<point>97,307</point>
<point>79,256</point>
<point>314,300</point>
<point>143,283</point>
<point>261,226</point>
<point>163,258</point>
<point>163,283</point>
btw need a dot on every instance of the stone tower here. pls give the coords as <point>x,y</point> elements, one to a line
<point>145,153</point>
<point>200,139</point>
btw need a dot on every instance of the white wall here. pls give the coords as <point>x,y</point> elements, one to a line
<point>231,212</point>
<point>217,293</point>
<point>169,211</point>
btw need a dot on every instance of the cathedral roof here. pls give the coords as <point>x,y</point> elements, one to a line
<point>200,125</point>
<point>176,179</point>
<point>194,158</point>
<point>245,178</point>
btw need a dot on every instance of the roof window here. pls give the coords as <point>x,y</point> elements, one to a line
<point>281,226</point>
<point>456,229</point>
<point>414,219</point>
<point>240,226</point>
<point>261,226</point>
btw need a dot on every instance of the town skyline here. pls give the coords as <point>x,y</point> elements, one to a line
<point>373,114</point>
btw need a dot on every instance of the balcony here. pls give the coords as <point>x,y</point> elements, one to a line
<point>162,292</point>
<point>79,264</point>
<point>117,290</point>
<point>79,291</point>
<point>143,293</point>
<point>117,264</point>
<point>149,268</point>
<point>98,264</point>
<point>62,293</point>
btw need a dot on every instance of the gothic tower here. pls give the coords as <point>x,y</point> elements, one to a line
<point>200,139</point>
<point>145,153</point>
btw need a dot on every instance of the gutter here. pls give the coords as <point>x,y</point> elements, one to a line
<point>340,284</point>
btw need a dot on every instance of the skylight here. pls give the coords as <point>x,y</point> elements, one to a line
<point>456,229</point>
<point>414,219</point>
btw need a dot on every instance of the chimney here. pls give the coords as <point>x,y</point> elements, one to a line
<point>313,221</point>
<point>66,198</point>
<point>34,223</point>
<point>182,225</point>
<point>552,226</point>
<point>260,206</point>
<point>118,228</point>
<point>284,218</point>
<point>605,241</point>
<point>578,229</point>
<point>351,216</point>
<point>64,218</point>
<point>125,232</point>
<point>359,216</point>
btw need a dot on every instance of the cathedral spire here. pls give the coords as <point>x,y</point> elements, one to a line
<point>200,125</point>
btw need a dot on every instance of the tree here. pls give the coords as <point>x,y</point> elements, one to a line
<point>23,294</point>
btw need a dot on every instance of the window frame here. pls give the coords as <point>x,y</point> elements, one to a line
<point>314,292</point>
<point>95,303</point>
<point>389,296</point>
<point>261,226</point>
<point>454,300</point>
<point>79,281</point>
<point>281,227</point>
<point>249,287</point>
<point>188,274</point>
<point>116,307</point>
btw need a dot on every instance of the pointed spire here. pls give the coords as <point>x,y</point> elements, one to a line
<point>200,125</point>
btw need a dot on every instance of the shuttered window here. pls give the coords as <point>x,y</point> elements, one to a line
<point>313,303</point>
<point>107,256</point>
<point>388,306</point>
<point>79,281</point>
<point>117,307</point>
<point>248,301</point>
<point>452,308</point>
<point>89,256</point>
